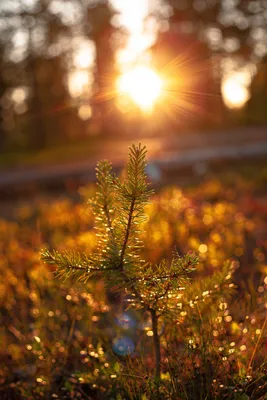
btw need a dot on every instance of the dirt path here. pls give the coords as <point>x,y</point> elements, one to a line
<point>166,152</point>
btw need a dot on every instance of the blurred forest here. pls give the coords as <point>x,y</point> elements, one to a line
<point>60,61</point>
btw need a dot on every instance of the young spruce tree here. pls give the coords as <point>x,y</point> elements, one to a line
<point>119,212</point>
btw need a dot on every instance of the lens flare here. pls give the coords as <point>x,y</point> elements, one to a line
<point>123,346</point>
<point>143,85</point>
<point>125,321</point>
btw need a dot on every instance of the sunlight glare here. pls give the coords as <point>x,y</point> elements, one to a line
<point>132,13</point>
<point>143,85</point>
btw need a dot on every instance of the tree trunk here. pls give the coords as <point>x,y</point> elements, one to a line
<point>156,342</point>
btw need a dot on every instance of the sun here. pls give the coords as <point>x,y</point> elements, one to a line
<point>143,85</point>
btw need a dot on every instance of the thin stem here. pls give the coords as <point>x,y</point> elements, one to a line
<point>163,294</point>
<point>156,342</point>
<point>256,346</point>
<point>127,233</point>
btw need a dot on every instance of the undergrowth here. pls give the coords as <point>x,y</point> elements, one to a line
<point>96,338</point>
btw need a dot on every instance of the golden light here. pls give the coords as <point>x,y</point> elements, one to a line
<point>235,91</point>
<point>143,85</point>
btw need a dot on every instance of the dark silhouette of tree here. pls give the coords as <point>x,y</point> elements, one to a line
<point>256,106</point>
<point>49,104</point>
<point>192,91</point>
<point>3,87</point>
<point>101,31</point>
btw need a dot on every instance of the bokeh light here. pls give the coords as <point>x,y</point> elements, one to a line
<point>85,112</point>
<point>235,90</point>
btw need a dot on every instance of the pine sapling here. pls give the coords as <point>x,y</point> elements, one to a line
<point>118,207</point>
